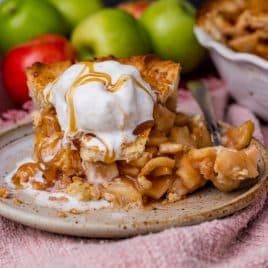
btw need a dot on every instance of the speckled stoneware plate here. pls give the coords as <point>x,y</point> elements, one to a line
<point>205,204</point>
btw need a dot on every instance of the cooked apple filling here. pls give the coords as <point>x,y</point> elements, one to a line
<point>240,24</point>
<point>127,154</point>
<point>178,159</point>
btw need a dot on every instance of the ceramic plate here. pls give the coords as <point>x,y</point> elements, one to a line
<point>205,204</point>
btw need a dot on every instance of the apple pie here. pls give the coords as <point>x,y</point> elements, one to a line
<point>240,24</point>
<point>108,130</point>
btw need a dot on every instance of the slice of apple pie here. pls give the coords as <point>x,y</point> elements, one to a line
<point>108,130</point>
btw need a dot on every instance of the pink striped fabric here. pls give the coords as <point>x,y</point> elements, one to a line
<point>240,240</point>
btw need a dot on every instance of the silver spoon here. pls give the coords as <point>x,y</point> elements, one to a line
<point>202,96</point>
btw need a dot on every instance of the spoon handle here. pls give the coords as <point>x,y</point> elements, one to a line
<point>202,96</point>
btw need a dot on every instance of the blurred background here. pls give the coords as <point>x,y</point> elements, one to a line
<point>54,30</point>
<point>115,2</point>
<point>50,31</point>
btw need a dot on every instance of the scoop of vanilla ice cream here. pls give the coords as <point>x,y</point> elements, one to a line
<point>110,116</point>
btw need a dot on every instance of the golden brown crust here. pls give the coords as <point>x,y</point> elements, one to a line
<point>39,75</point>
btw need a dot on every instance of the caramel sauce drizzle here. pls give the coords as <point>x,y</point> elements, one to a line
<point>108,158</point>
<point>107,77</point>
<point>49,92</point>
<point>143,88</point>
<point>90,66</point>
<point>24,173</point>
<point>122,80</point>
<point>69,97</point>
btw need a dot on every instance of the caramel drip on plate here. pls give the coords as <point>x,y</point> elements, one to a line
<point>24,173</point>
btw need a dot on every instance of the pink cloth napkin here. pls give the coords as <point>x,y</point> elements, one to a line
<point>240,240</point>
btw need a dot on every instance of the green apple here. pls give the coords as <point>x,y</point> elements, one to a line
<point>22,20</point>
<point>110,31</point>
<point>76,10</point>
<point>170,24</point>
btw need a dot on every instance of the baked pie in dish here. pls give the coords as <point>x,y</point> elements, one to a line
<point>242,25</point>
<point>108,130</point>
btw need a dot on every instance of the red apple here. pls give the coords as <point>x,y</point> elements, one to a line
<point>135,8</point>
<point>47,48</point>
